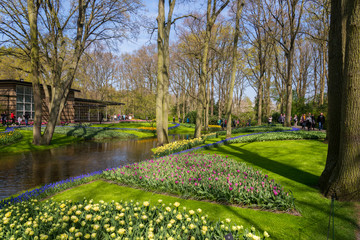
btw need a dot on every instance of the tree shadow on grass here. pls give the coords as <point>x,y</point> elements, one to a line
<point>279,168</point>
<point>321,223</point>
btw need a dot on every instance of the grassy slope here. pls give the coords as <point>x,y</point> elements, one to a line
<point>25,144</point>
<point>295,164</point>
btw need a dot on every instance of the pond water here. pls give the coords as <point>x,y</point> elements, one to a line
<point>23,171</point>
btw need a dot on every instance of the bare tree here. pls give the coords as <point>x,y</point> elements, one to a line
<point>67,30</point>
<point>288,15</point>
<point>211,15</point>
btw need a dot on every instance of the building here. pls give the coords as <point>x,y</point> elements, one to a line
<point>17,97</point>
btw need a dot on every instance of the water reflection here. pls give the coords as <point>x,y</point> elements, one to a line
<point>27,170</point>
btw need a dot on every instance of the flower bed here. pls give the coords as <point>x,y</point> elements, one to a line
<point>178,146</point>
<point>148,128</point>
<point>202,176</point>
<point>293,135</point>
<point>256,129</point>
<point>124,220</point>
<point>10,137</point>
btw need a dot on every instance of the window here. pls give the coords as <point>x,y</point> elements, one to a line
<point>24,101</point>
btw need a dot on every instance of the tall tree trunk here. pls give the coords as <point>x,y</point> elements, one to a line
<point>203,74</point>
<point>344,177</point>
<point>323,74</point>
<point>289,87</point>
<point>212,94</point>
<point>260,98</point>
<point>162,89</point>
<point>267,93</point>
<point>160,81</point>
<point>234,66</point>
<point>211,15</point>
<point>33,8</point>
<point>336,53</point>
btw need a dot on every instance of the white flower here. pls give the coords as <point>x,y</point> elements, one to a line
<point>266,234</point>
<point>176,204</point>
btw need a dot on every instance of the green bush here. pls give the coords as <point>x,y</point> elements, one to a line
<point>191,116</point>
<point>7,138</point>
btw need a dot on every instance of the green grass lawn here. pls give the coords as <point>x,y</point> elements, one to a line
<point>296,165</point>
<point>182,130</point>
<point>25,144</point>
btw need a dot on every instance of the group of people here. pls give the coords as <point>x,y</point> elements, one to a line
<point>305,121</point>
<point>4,118</point>
<point>310,122</point>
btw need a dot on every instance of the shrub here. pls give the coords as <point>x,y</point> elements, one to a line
<point>191,116</point>
<point>10,137</point>
<point>114,220</point>
<point>210,177</point>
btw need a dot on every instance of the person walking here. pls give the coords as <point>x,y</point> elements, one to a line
<point>3,118</point>
<point>295,120</point>
<point>12,117</point>
<point>19,120</point>
<point>313,121</point>
<point>303,121</point>
<point>321,121</point>
<point>26,116</point>
<point>101,117</point>
<point>173,119</point>
<point>270,120</point>
<point>309,122</point>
